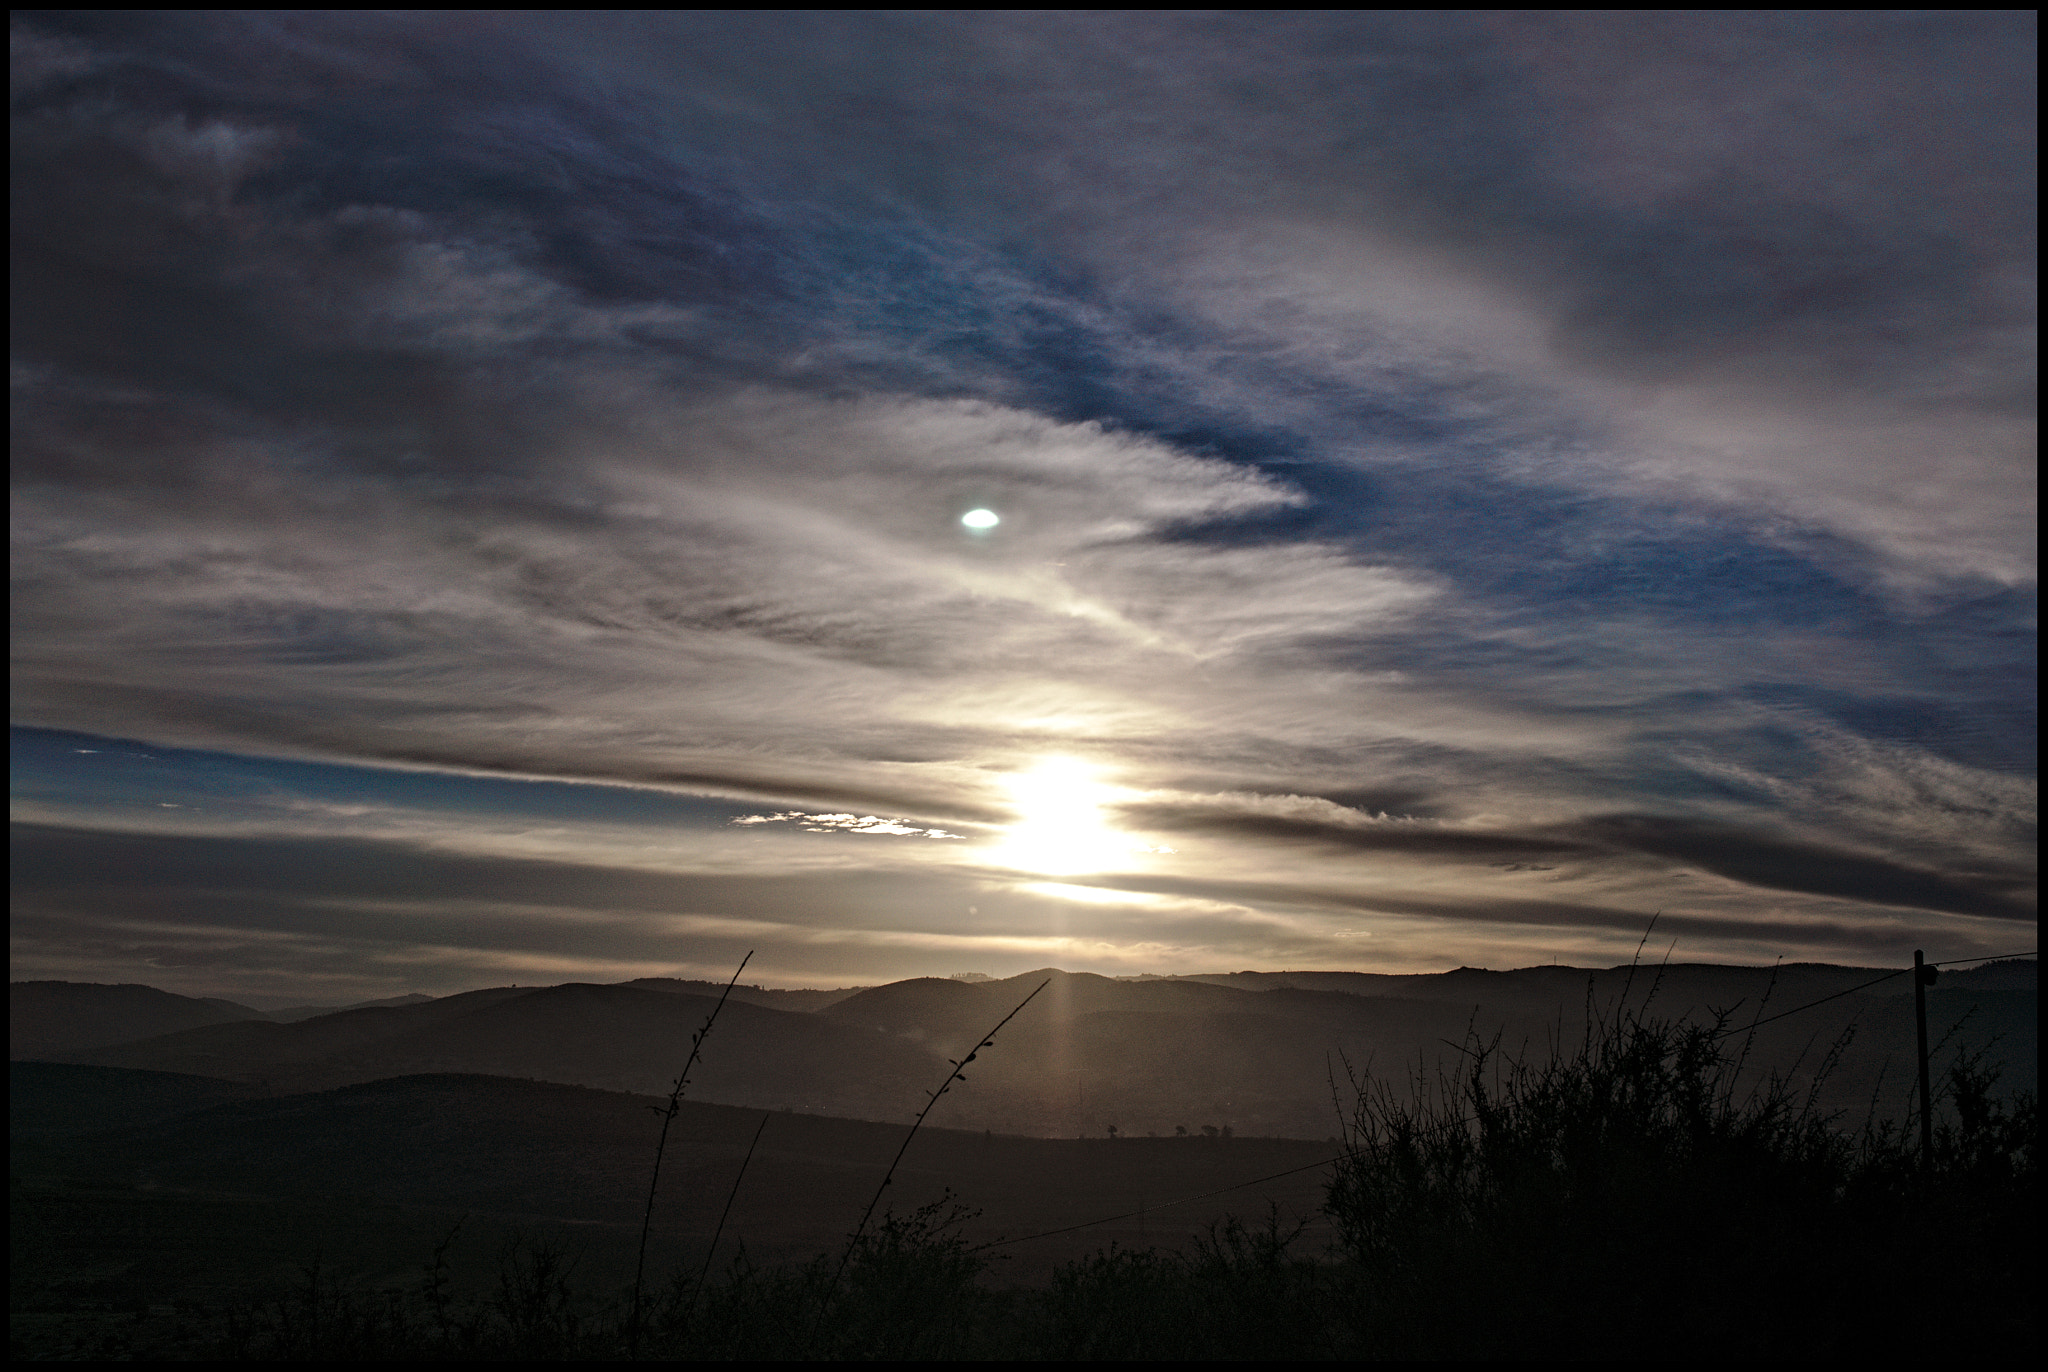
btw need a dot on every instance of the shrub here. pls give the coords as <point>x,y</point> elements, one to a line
<point>1242,1293</point>
<point>1628,1199</point>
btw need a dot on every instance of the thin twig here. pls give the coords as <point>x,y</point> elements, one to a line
<point>730,1196</point>
<point>1628,983</point>
<point>668,1116</point>
<point>1336,1101</point>
<point>958,1074</point>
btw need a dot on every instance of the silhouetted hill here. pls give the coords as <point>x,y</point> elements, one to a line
<point>266,1051</point>
<point>932,1006</point>
<point>757,995</point>
<point>617,1037</point>
<point>1149,1056</point>
<point>1157,1054</point>
<point>1689,985</point>
<point>292,1014</point>
<point>626,1038</point>
<point>2010,974</point>
<point>46,1018</point>
<point>49,1100</point>
<point>1076,993</point>
<point>492,1145</point>
<point>920,1006</point>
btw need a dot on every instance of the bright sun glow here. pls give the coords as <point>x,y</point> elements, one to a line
<point>1060,828</point>
<point>980,519</point>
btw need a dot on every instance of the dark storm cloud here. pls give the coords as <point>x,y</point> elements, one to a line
<point>1517,420</point>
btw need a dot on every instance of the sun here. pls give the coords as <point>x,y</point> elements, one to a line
<point>1061,829</point>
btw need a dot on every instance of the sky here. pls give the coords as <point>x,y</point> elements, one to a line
<point>494,496</point>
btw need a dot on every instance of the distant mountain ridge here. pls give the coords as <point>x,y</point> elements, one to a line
<point>71,1016</point>
<point>756,995</point>
<point>1259,1052</point>
<point>291,1014</point>
<point>2011,974</point>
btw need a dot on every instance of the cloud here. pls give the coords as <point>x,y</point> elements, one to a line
<point>848,585</point>
<point>272,910</point>
<point>1746,856</point>
<point>852,824</point>
<point>1760,860</point>
<point>1617,474</point>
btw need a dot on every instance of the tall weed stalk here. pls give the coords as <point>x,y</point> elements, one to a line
<point>668,1115</point>
<point>958,1074</point>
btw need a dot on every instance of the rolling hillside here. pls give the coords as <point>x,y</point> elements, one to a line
<point>1150,1056</point>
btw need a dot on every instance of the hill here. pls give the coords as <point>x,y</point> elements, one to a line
<point>1151,1056</point>
<point>291,1014</point>
<point>534,1151</point>
<point>756,995</point>
<point>56,1017</point>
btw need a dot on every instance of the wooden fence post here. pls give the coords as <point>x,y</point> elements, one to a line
<point>1923,976</point>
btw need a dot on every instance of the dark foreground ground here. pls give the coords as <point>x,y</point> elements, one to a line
<point>1625,1203</point>
<point>134,1194</point>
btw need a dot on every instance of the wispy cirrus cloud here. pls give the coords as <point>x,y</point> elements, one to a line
<point>1617,477</point>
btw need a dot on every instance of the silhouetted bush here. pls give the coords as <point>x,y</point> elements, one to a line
<point>1631,1199</point>
<point>1242,1293</point>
